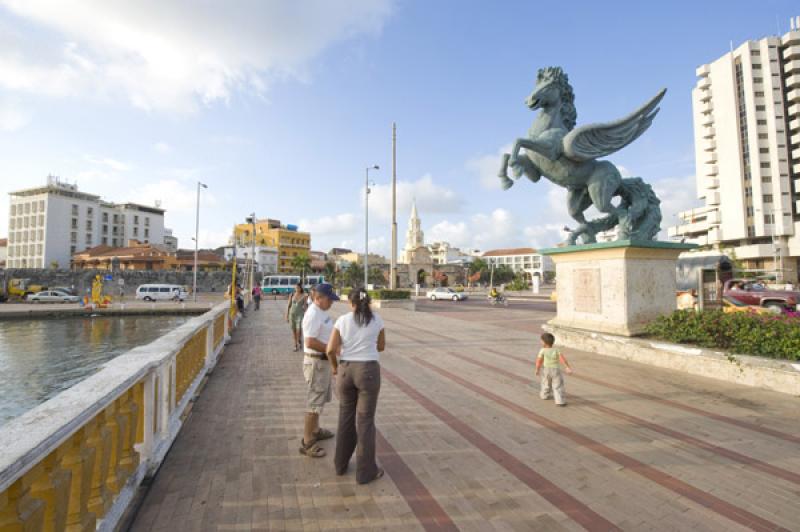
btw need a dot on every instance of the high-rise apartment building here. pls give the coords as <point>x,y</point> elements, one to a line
<point>287,239</point>
<point>746,108</point>
<point>47,225</point>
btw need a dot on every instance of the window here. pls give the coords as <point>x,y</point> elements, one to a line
<point>89,211</point>
<point>135,231</point>
<point>147,221</point>
<point>763,150</point>
<point>759,94</point>
<point>766,179</point>
<point>761,122</point>
<point>105,240</point>
<point>34,207</point>
<point>136,219</point>
<point>763,136</point>
<point>147,233</point>
<point>758,80</point>
<point>25,222</point>
<point>73,237</point>
<point>761,107</point>
<point>751,231</point>
<point>41,234</point>
<point>88,239</point>
<point>41,219</point>
<point>13,210</point>
<point>27,208</point>
<point>756,66</point>
<point>116,219</point>
<point>72,249</point>
<point>74,223</point>
<point>767,218</point>
<point>764,165</point>
<point>74,210</point>
<point>748,191</point>
<point>38,249</point>
<point>41,205</point>
<point>11,223</point>
<point>767,198</point>
<point>105,229</point>
<point>105,217</point>
<point>88,225</point>
<point>755,53</point>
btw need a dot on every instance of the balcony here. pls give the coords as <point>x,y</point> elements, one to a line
<point>712,198</point>
<point>714,235</point>
<point>709,145</point>
<point>791,52</point>
<point>793,95</point>
<point>710,158</point>
<point>712,169</point>
<point>704,83</point>
<point>712,183</point>
<point>796,154</point>
<point>713,218</point>
<point>793,81</point>
<point>707,119</point>
<point>706,106</point>
<point>709,132</point>
<point>703,70</point>
<point>792,67</point>
<point>794,125</point>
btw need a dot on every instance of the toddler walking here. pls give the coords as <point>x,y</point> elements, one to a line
<point>551,358</point>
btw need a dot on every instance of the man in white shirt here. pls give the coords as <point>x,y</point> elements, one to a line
<point>317,328</point>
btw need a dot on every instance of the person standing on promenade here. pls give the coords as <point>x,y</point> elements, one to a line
<point>295,309</point>
<point>358,339</point>
<point>317,329</point>
<point>257,296</point>
<point>552,379</point>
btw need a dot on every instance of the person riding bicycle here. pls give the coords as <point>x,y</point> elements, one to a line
<point>494,294</point>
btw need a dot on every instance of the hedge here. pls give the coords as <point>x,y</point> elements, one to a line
<point>767,335</point>
<point>390,294</point>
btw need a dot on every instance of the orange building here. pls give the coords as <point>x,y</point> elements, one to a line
<point>139,256</point>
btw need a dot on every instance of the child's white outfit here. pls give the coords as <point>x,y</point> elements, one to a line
<point>552,379</point>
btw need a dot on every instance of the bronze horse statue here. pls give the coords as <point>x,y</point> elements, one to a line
<point>567,156</point>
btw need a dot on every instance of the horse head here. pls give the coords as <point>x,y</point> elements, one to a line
<point>552,93</point>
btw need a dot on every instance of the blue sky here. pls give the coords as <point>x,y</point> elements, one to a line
<point>279,106</point>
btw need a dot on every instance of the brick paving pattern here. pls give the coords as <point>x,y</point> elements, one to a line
<point>468,445</point>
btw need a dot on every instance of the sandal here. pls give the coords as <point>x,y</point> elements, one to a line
<point>312,450</point>
<point>323,434</point>
<point>378,475</point>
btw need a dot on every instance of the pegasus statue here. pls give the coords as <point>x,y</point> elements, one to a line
<point>567,156</point>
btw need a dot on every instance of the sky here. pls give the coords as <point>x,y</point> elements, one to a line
<point>279,107</point>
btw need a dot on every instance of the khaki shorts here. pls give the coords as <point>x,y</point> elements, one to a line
<point>318,379</point>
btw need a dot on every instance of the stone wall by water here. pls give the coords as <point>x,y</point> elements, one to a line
<point>82,280</point>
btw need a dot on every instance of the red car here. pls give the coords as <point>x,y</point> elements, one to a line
<point>756,293</point>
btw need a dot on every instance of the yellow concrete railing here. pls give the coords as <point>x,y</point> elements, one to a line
<point>75,461</point>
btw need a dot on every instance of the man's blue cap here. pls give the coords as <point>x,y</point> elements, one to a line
<point>325,289</point>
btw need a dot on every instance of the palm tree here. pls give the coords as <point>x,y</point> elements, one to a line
<point>300,263</point>
<point>330,272</point>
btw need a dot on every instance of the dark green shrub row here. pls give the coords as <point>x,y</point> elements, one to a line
<point>774,336</point>
<point>389,294</point>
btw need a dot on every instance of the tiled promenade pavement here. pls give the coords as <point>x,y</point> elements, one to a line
<point>468,445</point>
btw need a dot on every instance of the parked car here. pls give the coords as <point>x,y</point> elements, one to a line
<point>161,292</point>
<point>755,293</point>
<point>53,296</point>
<point>446,293</point>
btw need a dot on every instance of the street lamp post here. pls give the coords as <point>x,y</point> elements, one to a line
<point>366,224</point>
<point>252,220</point>
<point>196,231</point>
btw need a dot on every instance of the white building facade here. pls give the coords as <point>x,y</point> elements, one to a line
<point>746,109</point>
<point>48,224</point>
<point>444,253</point>
<point>170,241</point>
<point>266,257</point>
<point>521,260</point>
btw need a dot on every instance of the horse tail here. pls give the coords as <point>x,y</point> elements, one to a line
<point>644,208</point>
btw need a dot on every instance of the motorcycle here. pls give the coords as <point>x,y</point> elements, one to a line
<point>497,301</point>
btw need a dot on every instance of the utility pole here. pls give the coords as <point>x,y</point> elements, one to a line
<point>366,225</point>
<point>196,231</point>
<point>393,266</point>
<point>253,263</point>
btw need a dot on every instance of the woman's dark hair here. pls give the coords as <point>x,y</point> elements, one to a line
<point>548,339</point>
<point>361,300</point>
<point>300,286</point>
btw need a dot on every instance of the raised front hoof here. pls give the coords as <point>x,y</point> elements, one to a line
<point>506,183</point>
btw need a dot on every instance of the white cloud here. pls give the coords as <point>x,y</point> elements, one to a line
<point>174,196</point>
<point>431,199</point>
<point>172,55</point>
<point>208,238</point>
<point>486,168</point>
<point>12,116</point>
<point>162,147</point>
<point>676,194</point>
<point>114,164</point>
<point>330,226</point>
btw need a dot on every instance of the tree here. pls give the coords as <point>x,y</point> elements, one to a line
<point>330,272</point>
<point>301,263</point>
<point>478,265</point>
<point>352,275</point>
<point>376,276</point>
<point>503,274</point>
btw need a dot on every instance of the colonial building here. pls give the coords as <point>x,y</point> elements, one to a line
<point>521,260</point>
<point>144,256</point>
<point>746,108</point>
<point>48,224</point>
<point>416,264</point>
<point>287,239</point>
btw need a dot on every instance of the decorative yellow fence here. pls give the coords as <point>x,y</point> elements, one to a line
<point>75,461</point>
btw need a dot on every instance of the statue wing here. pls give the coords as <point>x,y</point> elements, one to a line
<point>598,140</point>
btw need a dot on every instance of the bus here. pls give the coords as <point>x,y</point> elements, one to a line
<point>284,284</point>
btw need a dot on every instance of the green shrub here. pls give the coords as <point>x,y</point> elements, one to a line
<point>389,294</point>
<point>768,335</point>
<point>517,285</point>
<point>344,292</point>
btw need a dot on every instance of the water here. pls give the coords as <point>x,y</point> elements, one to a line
<point>40,358</point>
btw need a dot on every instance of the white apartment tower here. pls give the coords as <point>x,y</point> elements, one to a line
<point>746,108</point>
<point>46,225</point>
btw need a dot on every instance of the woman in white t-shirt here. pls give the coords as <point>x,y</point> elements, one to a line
<point>358,338</point>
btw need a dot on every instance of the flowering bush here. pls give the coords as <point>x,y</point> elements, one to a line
<point>769,335</point>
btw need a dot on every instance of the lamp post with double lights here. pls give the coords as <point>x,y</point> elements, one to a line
<point>366,223</point>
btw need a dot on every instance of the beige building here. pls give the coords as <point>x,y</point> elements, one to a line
<point>746,108</point>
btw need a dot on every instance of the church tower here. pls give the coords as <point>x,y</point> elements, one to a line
<point>414,236</point>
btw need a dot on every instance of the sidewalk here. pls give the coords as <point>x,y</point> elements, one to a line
<point>468,445</point>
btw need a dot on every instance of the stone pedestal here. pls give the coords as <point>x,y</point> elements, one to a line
<point>615,287</point>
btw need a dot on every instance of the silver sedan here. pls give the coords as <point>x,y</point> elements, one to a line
<point>446,293</point>
<point>53,296</point>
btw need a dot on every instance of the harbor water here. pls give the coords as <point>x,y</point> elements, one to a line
<point>41,357</point>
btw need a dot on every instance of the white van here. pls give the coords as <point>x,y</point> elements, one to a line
<point>161,292</point>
